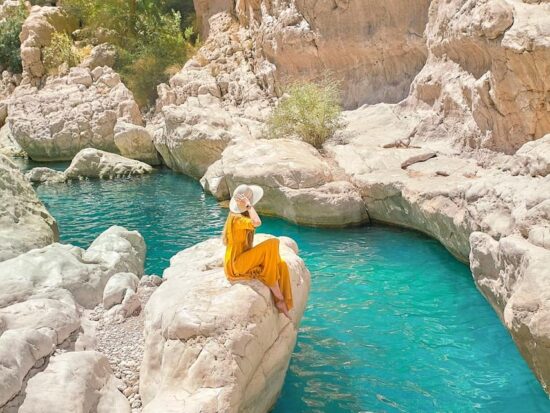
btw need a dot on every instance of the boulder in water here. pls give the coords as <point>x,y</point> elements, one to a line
<point>215,346</point>
<point>94,163</point>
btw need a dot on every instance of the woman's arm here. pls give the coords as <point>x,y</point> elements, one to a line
<point>244,202</point>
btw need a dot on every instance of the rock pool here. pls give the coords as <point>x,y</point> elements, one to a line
<point>394,322</point>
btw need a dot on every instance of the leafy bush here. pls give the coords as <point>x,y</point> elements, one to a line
<point>10,46</point>
<point>149,35</point>
<point>310,112</point>
<point>60,51</point>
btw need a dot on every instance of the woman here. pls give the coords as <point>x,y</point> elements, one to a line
<point>262,262</point>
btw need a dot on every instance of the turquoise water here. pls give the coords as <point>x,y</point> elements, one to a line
<point>394,323</point>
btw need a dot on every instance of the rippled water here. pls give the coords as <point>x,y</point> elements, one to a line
<point>393,324</point>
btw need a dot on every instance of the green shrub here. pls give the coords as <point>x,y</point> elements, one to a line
<point>60,51</point>
<point>10,46</point>
<point>310,112</point>
<point>149,35</point>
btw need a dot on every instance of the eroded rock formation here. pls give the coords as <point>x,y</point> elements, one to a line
<point>24,221</point>
<point>213,346</point>
<point>42,298</point>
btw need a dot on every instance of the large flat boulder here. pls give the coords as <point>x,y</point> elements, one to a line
<point>24,221</point>
<point>215,346</point>
<point>75,382</point>
<point>294,177</point>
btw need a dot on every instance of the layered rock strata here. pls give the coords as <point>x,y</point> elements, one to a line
<point>214,346</point>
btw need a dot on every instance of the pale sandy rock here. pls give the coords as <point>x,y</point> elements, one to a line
<point>135,142</point>
<point>375,49</point>
<point>24,221</point>
<point>486,76</point>
<point>94,163</point>
<point>82,272</point>
<point>514,276</point>
<point>213,346</point>
<point>36,34</point>
<point>61,317</point>
<point>101,55</point>
<point>193,135</point>
<point>20,349</point>
<point>72,112</point>
<point>294,177</point>
<point>533,158</point>
<point>75,382</point>
<point>8,145</point>
<point>43,174</point>
<point>116,288</point>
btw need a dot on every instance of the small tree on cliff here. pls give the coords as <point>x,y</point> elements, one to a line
<point>310,112</point>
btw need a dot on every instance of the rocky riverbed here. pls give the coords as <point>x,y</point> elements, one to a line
<point>453,140</point>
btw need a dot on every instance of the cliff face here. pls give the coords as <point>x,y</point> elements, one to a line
<point>375,49</point>
<point>487,78</point>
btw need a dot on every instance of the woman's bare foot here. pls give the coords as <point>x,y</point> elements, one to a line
<point>281,306</point>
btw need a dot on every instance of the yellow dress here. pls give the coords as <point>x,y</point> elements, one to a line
<point>262,262</point>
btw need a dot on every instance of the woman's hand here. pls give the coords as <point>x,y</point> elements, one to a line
<point>243,202</point>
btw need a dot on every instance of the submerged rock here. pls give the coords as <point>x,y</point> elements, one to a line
<point>79,381</point>
<point>24,221</point>
<point>298,183</point>
<point>93,163</point>
<point>213,346</point>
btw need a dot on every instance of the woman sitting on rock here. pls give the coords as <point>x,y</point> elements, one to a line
<point>244,261</point>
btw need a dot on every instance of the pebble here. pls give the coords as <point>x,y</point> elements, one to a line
<point>122,343</point>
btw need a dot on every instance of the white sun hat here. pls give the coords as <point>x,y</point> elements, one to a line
<point>253,192</point>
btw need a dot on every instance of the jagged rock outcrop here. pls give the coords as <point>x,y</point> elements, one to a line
<point>294,177</point>
<point>24,221</point>
<point>486,81</point>
<point>375,48</point>
<point>73,112</point>
<point>79,381</point>
<point>8,83</point>
<point>36,34</point>
<point>213,346</point>
<point>43,292</point>
<point>8,145</point>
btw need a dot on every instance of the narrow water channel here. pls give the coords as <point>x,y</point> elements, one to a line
<point>394,323</point>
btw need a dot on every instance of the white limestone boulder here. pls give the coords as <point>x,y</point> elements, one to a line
<point>43,174</point>
<point>135,142</point>
<point>294,177</point>
<point>94,163</point>
<point>215,346</point>
<point>117,286</point>
<point>24,221</point>
<point>82,272</point>
<point>80,381</point>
